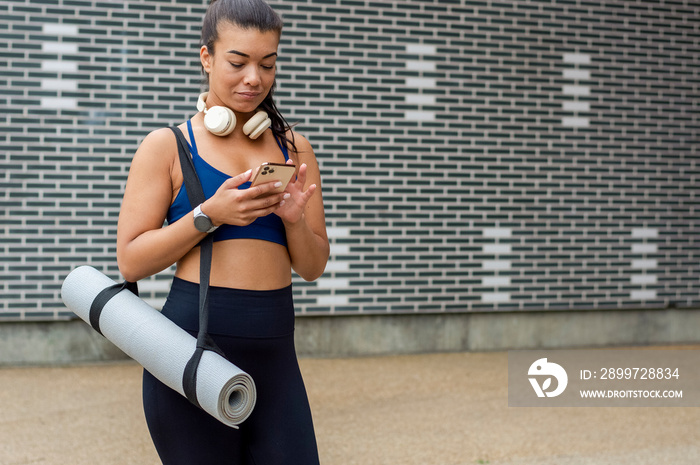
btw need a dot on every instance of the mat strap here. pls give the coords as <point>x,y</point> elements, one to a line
<point>105,296</point>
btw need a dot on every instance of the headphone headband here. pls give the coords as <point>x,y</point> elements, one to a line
<point>221,121</point>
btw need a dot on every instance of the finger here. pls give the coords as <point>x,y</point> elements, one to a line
<point>237,180</point>
<point>308,193</point>
<point>263,189</point>
<point>265,203</point>
<point>268,210</point>
<point>301,176</point>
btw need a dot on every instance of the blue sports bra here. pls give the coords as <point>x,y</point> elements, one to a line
<point>266,228</point>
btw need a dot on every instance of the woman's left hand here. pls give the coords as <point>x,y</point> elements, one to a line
<point>291,209</point>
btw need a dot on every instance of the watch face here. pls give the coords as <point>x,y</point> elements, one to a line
<point>202,223</point>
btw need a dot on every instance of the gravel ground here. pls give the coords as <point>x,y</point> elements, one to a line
<point>436,409</point>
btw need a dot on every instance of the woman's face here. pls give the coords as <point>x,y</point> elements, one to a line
<point>242,68</point>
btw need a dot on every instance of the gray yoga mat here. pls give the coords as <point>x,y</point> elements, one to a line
<point>161,347</point>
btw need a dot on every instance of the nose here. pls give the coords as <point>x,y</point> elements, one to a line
<point>252,77</point>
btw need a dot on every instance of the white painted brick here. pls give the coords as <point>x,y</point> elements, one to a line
<point>576,106</point>
<point>497,232</point>
<point>575,122</point>
<point>577,74</point>
<point>60,103</point>
<point>421,49</point>
<point>496,265</point>
<point>333,283</point>
<point>333,300</point>
<point>640,279</point>
<point>644,248</point>
<point>420,115</point>
<point>497,248</point>
<point>59,66</point>
<point>577,90</point>
<point>495,281</point>
<point>421,83</point>
<point>154,285</point>
<point>420,66</point>
<point>645,232</point>
<point>334,233</point>
<point>337,266</point>
<point>339,249</point>
<point>59,47</point>
<point>495,297</point>
<point>420,99</point>
<point>59,84</point>
<point>577,58</point>
<point>60,29</point>
<point>643,294</point>
<point>644,264</point>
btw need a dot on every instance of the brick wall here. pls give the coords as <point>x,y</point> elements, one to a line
<point>476,155</point>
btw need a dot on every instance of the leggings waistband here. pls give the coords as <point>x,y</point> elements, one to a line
<point>233,312</point>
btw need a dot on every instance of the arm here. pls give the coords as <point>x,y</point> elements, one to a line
<point>144,247</point>
<point>304,218</point>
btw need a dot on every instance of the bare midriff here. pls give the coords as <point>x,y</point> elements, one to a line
<point>241,264</point>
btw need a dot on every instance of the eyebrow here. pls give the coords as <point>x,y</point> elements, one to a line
<point>236,52</point>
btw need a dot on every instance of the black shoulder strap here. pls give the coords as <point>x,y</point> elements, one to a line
<point>196,196</point>
<point>192,184</point>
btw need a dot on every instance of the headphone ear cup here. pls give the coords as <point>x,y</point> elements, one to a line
<point>201,101</point>
<point>261,128</point>
<point>257,125</point>
<point>220,121</point>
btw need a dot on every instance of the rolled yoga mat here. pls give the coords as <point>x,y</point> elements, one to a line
<point>161,347</point>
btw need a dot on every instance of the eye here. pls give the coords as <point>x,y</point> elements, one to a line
<point>268,66</point>
<point>237,65</point>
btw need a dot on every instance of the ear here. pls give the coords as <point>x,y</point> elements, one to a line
<point>206,58</point>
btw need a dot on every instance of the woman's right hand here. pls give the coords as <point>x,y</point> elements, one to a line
<point>240,207</point>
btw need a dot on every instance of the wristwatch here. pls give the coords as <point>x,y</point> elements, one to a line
<point>202,222</point>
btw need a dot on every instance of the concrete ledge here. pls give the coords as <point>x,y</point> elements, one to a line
<point>358,335</point>
<point>340,336</point>
<point>52,343</point>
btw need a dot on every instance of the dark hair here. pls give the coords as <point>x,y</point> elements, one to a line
<point>247,14</point>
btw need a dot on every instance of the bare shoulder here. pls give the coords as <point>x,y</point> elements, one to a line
<point>304,152</point>
<point>157,153</point>
<point>158,144</point>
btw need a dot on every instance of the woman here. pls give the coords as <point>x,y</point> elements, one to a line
<point>259,237</point>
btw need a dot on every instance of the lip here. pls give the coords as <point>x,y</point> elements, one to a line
<point>249,95</point>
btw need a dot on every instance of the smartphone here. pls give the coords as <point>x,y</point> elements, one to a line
<point>272,172</point>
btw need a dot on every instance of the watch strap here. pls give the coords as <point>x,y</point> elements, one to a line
<point>199,213</point>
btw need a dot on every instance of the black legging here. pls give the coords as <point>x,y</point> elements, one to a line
<point>255,329</point>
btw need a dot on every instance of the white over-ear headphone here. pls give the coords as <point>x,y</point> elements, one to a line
<point>221,121</point>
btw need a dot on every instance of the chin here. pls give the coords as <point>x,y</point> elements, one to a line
<point>246,106</point>
<point>245,111</point>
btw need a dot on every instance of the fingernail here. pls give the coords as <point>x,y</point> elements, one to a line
<point>281,202</point>
<point>248,172</point>
<point>286,196</point>
<point>278,184</point>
